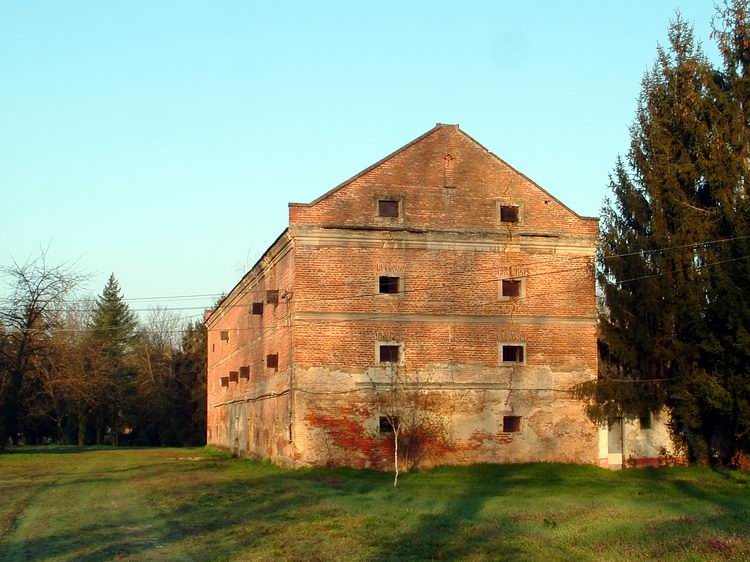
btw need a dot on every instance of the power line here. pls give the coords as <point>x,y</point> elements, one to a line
<point>462,272</point>
<point>679,247</point>
<point>396,315</point>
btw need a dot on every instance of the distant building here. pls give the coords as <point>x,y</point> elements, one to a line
<point>440,260</point>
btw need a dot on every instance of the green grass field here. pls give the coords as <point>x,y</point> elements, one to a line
<point>66,503</point>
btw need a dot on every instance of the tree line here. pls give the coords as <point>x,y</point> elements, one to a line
<point>674,248</point>
<point>88,372</point>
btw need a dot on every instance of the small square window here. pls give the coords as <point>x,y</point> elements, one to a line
<point>386,423</point>
<point>272,361</point>
<point>224,335</point>
<point>512,353</point>
<point>272,296</point>
<point>390,353</point>
<point>388,285</point>
<point>257,308</point>
<point>509,213</point>
<point>388,209</point>
<point>245,373</point>
<point>234,376</point>
<point>511,424</point>
<point>224,381</point>
<point>511,287</point>
<point>645,420</point>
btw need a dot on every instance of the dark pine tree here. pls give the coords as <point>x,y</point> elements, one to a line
<point>672,270</point>
<point>113,326</point>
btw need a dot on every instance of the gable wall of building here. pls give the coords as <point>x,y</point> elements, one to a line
<point>451,251</point>
<point>418,176</point>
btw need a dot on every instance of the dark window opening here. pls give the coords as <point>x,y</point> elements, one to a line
<point>645,420</point>
<point>272,361</point>
<point>512,354</point>
<point>234,376</point>
<point>511,287</point>
<point>224,381</point>
<point>511,424</point>
<point>388,285</point>
<point>509,213</point>
<point>257,308</point>
<point>389,353</point>
<point>224,335</point>
<point>272,296</point>
<point>213,347</point>
<point>388,209</point>
<point>386,424</point>
<point>245,373</point>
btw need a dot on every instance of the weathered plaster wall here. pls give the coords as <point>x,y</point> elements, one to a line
<point>338,423</point>
<point>628,443</point>
<point>643,445</point>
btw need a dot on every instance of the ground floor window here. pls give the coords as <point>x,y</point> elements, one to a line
<point>511,424</point>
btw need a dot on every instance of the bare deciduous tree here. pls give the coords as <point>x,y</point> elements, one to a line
<point>28,315</point>
<point>410,404</point>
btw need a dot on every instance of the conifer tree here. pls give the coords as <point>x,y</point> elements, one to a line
<point>113,326</point>
<point>673,273</point>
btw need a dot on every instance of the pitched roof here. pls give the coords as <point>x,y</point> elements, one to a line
<point>437,127</point>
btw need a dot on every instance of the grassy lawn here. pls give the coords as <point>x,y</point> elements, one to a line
<point>66,503</point>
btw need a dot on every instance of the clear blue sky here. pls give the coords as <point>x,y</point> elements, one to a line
<point>162,140</point>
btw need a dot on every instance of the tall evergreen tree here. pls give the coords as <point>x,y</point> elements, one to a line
<point>113,326</point>
<point>674,291</point>
<point>728,310</point>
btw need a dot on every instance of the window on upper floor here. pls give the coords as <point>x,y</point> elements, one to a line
<point>272,361</point>
<point>245,373</point>
<point>388,208</point>
<point>390,353</point>
<point>272,296</point>
<point>257,308</point>
<point>234,376</point>
<point>512,353</point>
<point>224,335</point>
<point>388,284</point>
<point>224,381</point>
<point>510,213</point>
<point>510,288</point>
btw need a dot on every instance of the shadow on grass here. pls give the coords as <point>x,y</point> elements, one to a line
<point>218,508</point>
<point>64,449</point>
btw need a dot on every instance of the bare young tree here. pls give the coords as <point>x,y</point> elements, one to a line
<point>414,414</point>
<point>32,309</point>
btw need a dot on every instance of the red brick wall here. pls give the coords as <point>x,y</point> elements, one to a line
<point>344,279</point>
<point>417,174</point>
<point>251,339</point>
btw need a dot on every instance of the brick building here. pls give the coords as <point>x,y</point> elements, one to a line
<point>442,261</point>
